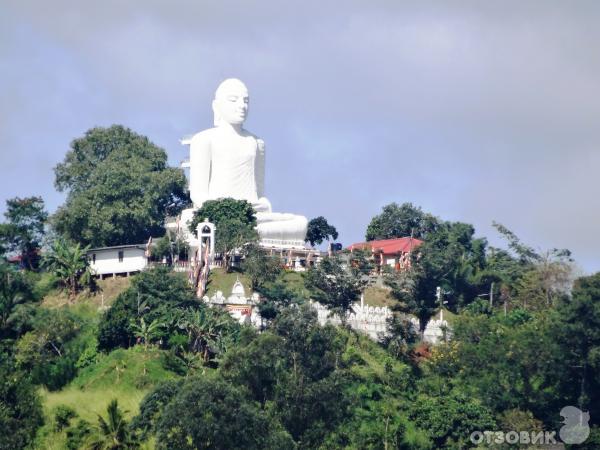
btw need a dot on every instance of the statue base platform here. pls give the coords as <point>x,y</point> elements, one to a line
<point>182,228</point>
<point>281,244</point>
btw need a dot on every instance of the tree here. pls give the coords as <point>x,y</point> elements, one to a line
<point>155,294</point>
<point>577,332</point>
<point>319,230</point>
<point>260,366</point>
<point>529,278</point>
<point>234,221</point>
<point>312,399</point>
<point>398,337</point>
<point>6,233</point>
<point>451,259</point>
<point>119,188</point>
<point>170,246</point>
<point>260,267</point>
<point>113,433</point>
<point>416,292</point>
<point>295,371</point>
<point>450,419</point>
<point>217,416</point>
<point>24,230</point>
<point>146,332</point>
<point>207,328</point>
<point>51,350</point>
<point>397,221</point>
<point>336,285</point>
<point>16,294</point>
<point>276,297</point>
<point>20,408</point>
<point>152,405</point>
<point>69,263</point>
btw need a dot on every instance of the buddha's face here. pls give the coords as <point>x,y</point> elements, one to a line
<point>231,102</point>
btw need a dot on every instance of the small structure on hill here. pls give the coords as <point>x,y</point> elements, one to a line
<point>242,308</point>
<point>121,260</point>
<point>395,253</point>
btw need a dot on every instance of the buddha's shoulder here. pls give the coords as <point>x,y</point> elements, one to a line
<point>259,141</point>
<point>203,136</point>
<point>209,135</point>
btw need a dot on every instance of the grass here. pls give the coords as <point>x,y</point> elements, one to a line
<point>373,357</point>
<point>88,405</point>
<point>378,296</point>
<point>294,280</point>
<point>125,374</point>
<point>108,290</point>
<point>220,280</point>
<point>449,317</point>
<point>127,369</point>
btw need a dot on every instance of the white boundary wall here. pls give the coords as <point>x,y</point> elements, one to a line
<point>372,320</point>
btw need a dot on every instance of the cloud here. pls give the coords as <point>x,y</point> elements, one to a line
<point>477,111</point>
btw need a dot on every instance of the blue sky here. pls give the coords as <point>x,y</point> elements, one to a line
<point>476,111</point>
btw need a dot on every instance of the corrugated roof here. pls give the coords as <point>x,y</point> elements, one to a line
<point>97,249</point>
<point>389,246</point>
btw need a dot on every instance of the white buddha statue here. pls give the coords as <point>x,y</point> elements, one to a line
<point>228,161</point>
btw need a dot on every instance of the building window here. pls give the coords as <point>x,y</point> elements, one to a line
<point>120,255</point>
<point>94,258</point>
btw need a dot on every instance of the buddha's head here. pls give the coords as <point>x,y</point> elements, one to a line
<point>231,102</point>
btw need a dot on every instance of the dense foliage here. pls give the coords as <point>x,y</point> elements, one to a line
<point>20,408</point>
<point>397,221</point>
<point>260,267</point>
<point>336,285</point>
<point>69,263</point>
<point>24,230</point>
<point>319,230</point>
<point>234,221</point>
<point>524,340</point>
<point>119,188</point>
<point>157,295</point>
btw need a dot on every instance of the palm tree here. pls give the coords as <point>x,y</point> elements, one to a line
<point>113,433</point>
<point>69,263</point>
<point>146,332</point>
<point>206,328</point>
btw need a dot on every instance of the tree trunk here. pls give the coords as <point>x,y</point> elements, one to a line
<point>422,325</point>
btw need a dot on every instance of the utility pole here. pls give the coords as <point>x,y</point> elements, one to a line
<point>438,294</point>
<point>492,295</point>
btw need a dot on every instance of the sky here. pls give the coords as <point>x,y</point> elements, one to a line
<point>475,111</point>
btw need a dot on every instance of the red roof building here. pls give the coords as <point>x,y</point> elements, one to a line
<point>393,252</point>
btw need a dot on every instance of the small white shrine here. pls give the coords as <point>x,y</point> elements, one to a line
<point>243,309</point>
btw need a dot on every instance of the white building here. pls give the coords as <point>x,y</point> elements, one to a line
<point>118,260</point>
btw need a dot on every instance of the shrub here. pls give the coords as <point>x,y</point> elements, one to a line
<point>62,417</point>
<point>157,294</point>
<point>20,409</point>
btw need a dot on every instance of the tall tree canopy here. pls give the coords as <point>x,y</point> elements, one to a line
<point>119,188</point>
<point>24,229</point>
<point>401,220</point>
<point>452,259</point>
<point>319,230</point>
<point>234,221</point>
<point>336,285</point>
